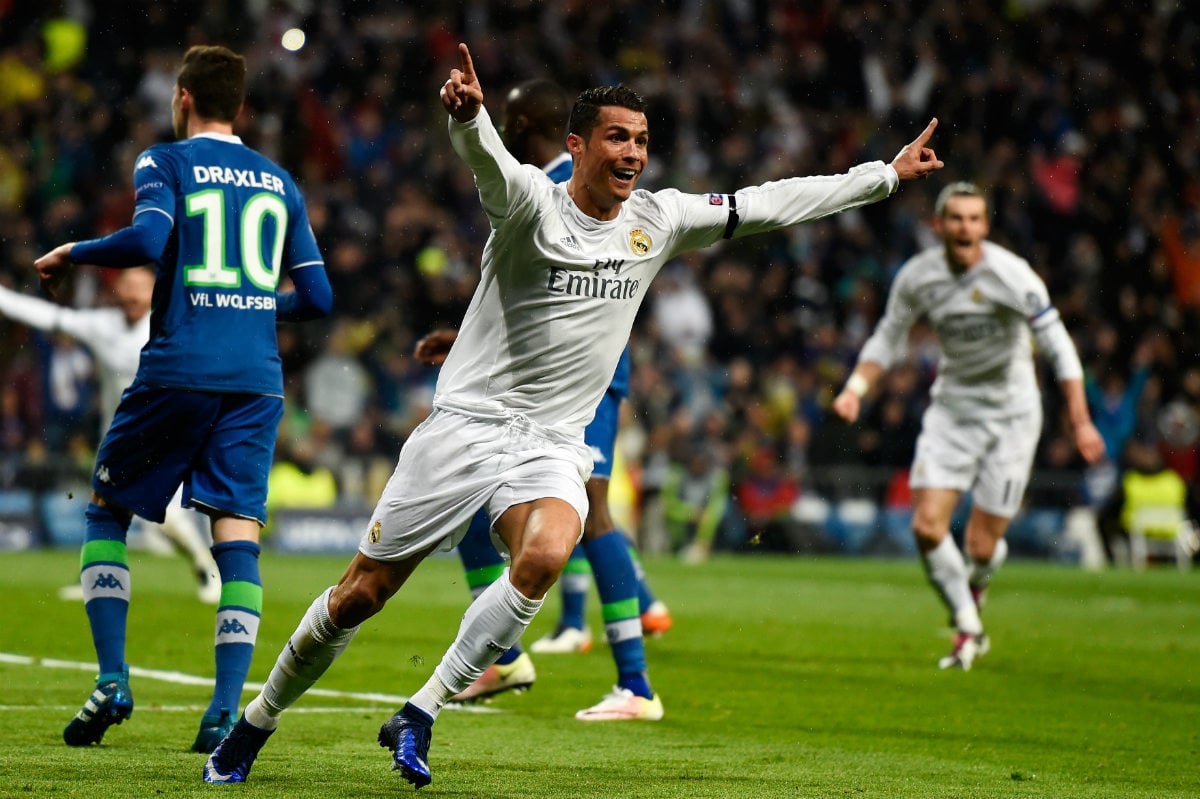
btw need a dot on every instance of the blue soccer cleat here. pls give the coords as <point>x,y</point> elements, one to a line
<point>110,703</point>
<point>231,760</point>
<point>408,734</point>
<point>212,730</point>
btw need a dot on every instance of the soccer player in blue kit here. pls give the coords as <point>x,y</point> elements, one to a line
<point>565,269</point>
<point>222,224</point>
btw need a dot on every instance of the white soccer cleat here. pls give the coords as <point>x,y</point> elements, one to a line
<point>517,676</point>
<point>564,640</point>
<point>209,590</point>
<point>967,648</point>
<point>623,705</point>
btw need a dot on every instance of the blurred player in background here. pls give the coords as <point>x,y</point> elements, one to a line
<point>980,432</point>
<point>114,336</point>
<point>531,126</point>
<point>565,269</point>
<point>222,224</point>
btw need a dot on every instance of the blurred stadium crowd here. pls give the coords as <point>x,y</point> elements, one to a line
<point>1082,120</point>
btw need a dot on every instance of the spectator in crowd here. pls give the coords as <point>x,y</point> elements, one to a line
<point>1147,484</point>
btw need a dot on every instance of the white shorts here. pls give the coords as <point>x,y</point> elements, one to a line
<point>991,458</point>
<point>453,464</point>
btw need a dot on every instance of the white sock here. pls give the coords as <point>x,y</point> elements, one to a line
<point>492,624</point>
<point>948,572</point>
<point>982,571</point>
<point>310,651</point>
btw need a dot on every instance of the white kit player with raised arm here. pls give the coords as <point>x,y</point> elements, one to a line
<point>564,270</point>
<point>981,430</point>
<point>114,336</point>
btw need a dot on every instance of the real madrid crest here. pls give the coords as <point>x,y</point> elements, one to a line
<point>373,535</point>
<point>639,242</point>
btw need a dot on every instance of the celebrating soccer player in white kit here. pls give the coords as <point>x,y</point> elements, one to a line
<point>564,270</point>
<point>981,430</point>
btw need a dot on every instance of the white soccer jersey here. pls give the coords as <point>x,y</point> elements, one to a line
<point>115,345</point>
<point>559,289</point>
<point>983,318</point>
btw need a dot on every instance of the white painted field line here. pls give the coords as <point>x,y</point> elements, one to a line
<point>180,678</point>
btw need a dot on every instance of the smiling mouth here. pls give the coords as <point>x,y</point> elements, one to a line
<point>625,174</point>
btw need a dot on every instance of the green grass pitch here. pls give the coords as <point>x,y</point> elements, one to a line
<point>783,677</point>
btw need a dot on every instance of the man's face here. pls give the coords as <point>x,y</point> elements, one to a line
<point>963,225</point>
<point>610,161</point>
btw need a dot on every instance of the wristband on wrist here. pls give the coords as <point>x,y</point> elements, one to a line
<point>857,384</point>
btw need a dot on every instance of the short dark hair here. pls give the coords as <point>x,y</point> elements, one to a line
<point>958,189</point>
<point>588,104</point>
<point>215,76</point>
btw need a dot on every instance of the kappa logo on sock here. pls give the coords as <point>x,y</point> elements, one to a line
<point>231,626</point>
<point>108,580</point>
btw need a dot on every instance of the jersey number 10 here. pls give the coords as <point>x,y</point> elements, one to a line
<point>214,271</point>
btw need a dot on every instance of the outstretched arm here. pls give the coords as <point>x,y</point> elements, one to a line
<point>915,159</point>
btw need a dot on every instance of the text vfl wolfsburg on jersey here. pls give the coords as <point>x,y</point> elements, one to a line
<point>237,302</point>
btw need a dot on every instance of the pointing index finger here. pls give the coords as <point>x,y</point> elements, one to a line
<point>468,66</point>
<point>927,134</point>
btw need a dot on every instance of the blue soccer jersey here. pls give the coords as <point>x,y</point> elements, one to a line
<point>238,224</point>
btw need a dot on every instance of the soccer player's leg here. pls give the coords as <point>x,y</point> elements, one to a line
<point>104,576</point>
<point>540,534</point>
<point>947,571</point>
<point>238,613</point>
<point>483,564</point>
<point>310,651</point>
<point>632,698</point>
<point>138,467</point>
<point>998,496</point>
<point>229,483</point>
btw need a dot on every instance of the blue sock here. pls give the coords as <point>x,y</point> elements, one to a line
<point>483,566</point>
<point>574,585</point>
<point>238,615</point>
<point>645,595</point>
<point>104,575</point>
<point>616,582</point>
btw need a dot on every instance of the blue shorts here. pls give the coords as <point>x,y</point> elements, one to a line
<point>601,434</point>
<point>218,446</point>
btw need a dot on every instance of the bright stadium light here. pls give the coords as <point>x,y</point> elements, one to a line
<point>293,39</point>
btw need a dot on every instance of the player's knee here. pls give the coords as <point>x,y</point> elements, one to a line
<point>100,511</point>
<point>535,569</point>
<point>928,531</point>
<point>350,604</point>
